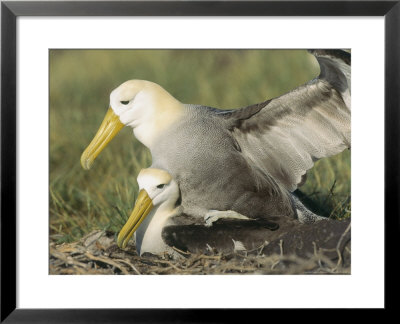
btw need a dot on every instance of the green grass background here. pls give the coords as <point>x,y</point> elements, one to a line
<point>80,84</point>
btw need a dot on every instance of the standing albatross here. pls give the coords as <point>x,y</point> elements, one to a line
<point>245,160</point>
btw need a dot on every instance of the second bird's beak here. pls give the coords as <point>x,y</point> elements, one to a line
<point>110,127</point>
<point>142,208</point>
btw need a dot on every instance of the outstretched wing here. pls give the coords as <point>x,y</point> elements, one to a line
<point>283,137</point>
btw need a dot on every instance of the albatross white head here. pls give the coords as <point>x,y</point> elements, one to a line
<point>155,204</point>
<point>143,105</point>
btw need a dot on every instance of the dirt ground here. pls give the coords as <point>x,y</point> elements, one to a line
<point>321,248</point>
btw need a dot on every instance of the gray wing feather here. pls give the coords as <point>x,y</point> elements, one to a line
<point>283,137</point>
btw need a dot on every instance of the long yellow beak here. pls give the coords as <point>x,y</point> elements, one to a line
<point>143,206</point>
<point>110,127</point>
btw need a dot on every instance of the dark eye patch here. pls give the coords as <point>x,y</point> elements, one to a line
<point>160,186</point>
<point>124,102</point>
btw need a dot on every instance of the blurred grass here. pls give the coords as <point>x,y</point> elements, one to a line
<point>80,83</point>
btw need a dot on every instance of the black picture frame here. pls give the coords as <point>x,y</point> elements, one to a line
<point>10,11</point>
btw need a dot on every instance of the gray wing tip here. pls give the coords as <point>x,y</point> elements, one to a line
<point>333,53</point>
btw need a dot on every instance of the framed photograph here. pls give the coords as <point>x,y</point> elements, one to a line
<point>60,62</point>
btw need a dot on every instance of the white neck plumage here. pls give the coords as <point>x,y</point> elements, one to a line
<point>149,232</point>
<point>157,111</point>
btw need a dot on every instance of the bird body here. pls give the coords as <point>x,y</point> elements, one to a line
<point>196,162</point>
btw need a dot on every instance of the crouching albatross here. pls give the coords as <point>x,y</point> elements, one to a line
<point>156,216</point>
<point>245,160</point>
<point>161,228</point>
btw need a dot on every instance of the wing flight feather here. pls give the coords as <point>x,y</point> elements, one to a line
<point>283,137</point>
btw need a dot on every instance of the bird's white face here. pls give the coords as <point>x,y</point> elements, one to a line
<point>132,102</point>
<point>158,194</point>
<point>142,105</point>
<point>160,187</point>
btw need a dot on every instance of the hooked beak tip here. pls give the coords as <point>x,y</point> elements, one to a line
<point>86,163</point>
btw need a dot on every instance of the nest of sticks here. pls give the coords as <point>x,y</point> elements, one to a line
<point>98,253</point>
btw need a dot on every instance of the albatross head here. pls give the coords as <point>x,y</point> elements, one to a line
<point>156,201</point>
<point>143,105</point>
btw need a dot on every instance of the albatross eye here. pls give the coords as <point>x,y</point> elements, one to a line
<point>124,102</point>
<point>160,186</point>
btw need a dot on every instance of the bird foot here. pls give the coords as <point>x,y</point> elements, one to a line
<point>213,215</point>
